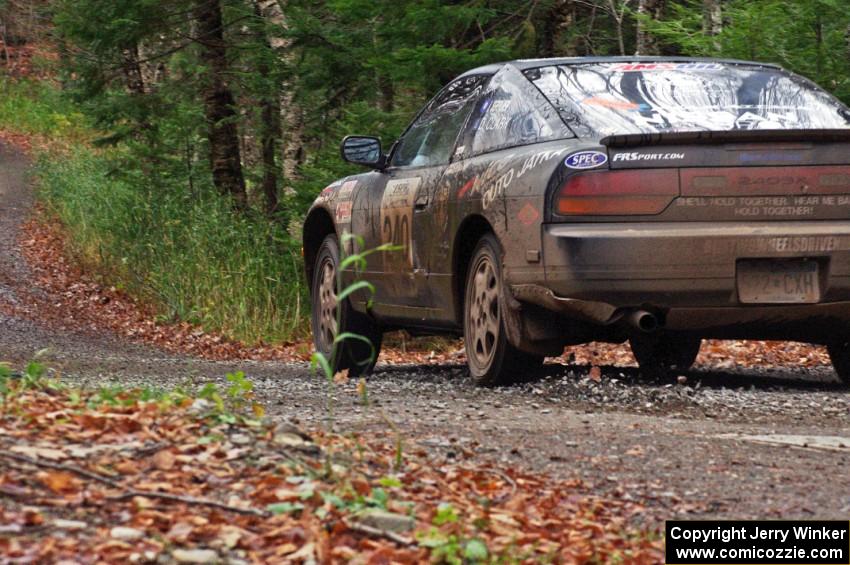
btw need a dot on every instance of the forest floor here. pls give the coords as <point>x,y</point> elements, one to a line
<point>754,430</point>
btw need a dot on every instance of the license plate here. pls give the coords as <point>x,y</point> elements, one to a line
<point>778,282</point>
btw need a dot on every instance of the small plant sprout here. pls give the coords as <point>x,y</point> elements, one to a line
<point>356,263</point>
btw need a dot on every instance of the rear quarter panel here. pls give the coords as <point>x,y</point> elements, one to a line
<point>509,189</point>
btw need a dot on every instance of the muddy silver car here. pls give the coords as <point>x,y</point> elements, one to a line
<point>542,203</point>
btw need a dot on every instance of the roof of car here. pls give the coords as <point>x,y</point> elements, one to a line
<point>523,64</point>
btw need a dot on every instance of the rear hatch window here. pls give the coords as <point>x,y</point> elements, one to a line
<point>602,99</point>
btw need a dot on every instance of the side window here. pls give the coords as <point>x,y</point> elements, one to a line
<point>512,112</point>
<point>430,139</point>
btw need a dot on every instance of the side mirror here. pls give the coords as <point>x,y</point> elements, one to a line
<point>363,150</point>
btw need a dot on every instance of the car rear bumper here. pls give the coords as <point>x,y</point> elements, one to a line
<point>687,271</point>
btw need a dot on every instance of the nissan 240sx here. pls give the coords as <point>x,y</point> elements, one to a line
<point>542,203</point>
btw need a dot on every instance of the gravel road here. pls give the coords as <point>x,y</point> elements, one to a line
<point>727,442</point>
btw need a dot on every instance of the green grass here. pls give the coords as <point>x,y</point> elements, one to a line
<point>187,254</point>
<point>36,108</point>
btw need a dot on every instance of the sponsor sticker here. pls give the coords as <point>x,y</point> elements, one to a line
<point>528,215</point>
<point>634,156</point>
<point>343,212</point>
<point>397,218</point>
<point>610,103</point>
<point>692,66</point>
<point>782,156</point>
<point>586,160</point>
<point>466,187</point>
<point>346,189</point>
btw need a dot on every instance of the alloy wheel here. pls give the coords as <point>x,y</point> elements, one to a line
<point>484,314</point>
<point>328,324</point>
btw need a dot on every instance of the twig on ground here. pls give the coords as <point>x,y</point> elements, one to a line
<point>132,493</point>
<point>62,467</point>
<point>505,478</point>
<point>150,449</point>
<point>189,500</point>
<point>370,531</point>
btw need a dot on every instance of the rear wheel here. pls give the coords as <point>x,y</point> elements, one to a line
<point>491,357</point>
<point>660,355</point>
<point>839,354</point>
<point>332,318</point>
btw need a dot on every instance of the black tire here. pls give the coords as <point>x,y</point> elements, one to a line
<point>839,354</point>
<point>331,318</point>
<point>491,358</point>
<point>661,355</point>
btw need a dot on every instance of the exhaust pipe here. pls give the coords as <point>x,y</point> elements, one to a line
<point>643,320</point>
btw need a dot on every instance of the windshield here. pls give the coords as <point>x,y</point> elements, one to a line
<point>621,98</point>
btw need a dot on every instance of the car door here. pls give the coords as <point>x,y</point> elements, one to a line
<point>400,210</point>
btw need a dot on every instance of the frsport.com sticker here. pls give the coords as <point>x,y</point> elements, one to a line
<point>635,156</point>
<point>586,160</point>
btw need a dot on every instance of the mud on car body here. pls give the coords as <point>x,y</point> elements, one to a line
<point>542,203</point>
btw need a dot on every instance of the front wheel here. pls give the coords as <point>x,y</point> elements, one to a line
<point>659,355</point>
<point>332,318</point>
<point>491,357</point>
<point>839,354</point>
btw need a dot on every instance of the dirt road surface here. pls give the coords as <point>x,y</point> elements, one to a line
<point>772,442</point>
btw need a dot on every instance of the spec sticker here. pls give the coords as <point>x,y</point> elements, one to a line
<point>586,160</point>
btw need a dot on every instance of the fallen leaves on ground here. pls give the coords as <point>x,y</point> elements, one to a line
<point>715,354</point>
<point>168,479</point>
<point>18,59</point>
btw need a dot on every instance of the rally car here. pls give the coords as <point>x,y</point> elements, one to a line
<point>539,203</point>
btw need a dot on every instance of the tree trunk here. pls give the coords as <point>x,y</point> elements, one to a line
<point>219,105</point>
<point>269,137</point>
<point>387,93</point>
<point>712,18</point>
<point>269,129</point>
<point>558,18</point>
<point>646,44</point>
<point>847,42</point>
<point>619,16</point>
<point>291,114</point>
<point>133,71</point>
<point>819,46</point>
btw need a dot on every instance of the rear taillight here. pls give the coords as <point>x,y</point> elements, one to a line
<point>618,193</point>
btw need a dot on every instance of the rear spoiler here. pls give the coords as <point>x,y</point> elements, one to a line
<point>734,136</point>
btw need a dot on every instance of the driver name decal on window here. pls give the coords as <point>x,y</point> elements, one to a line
<point>498,115</point>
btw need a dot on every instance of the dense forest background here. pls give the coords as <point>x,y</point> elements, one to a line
<point>214,123</point>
